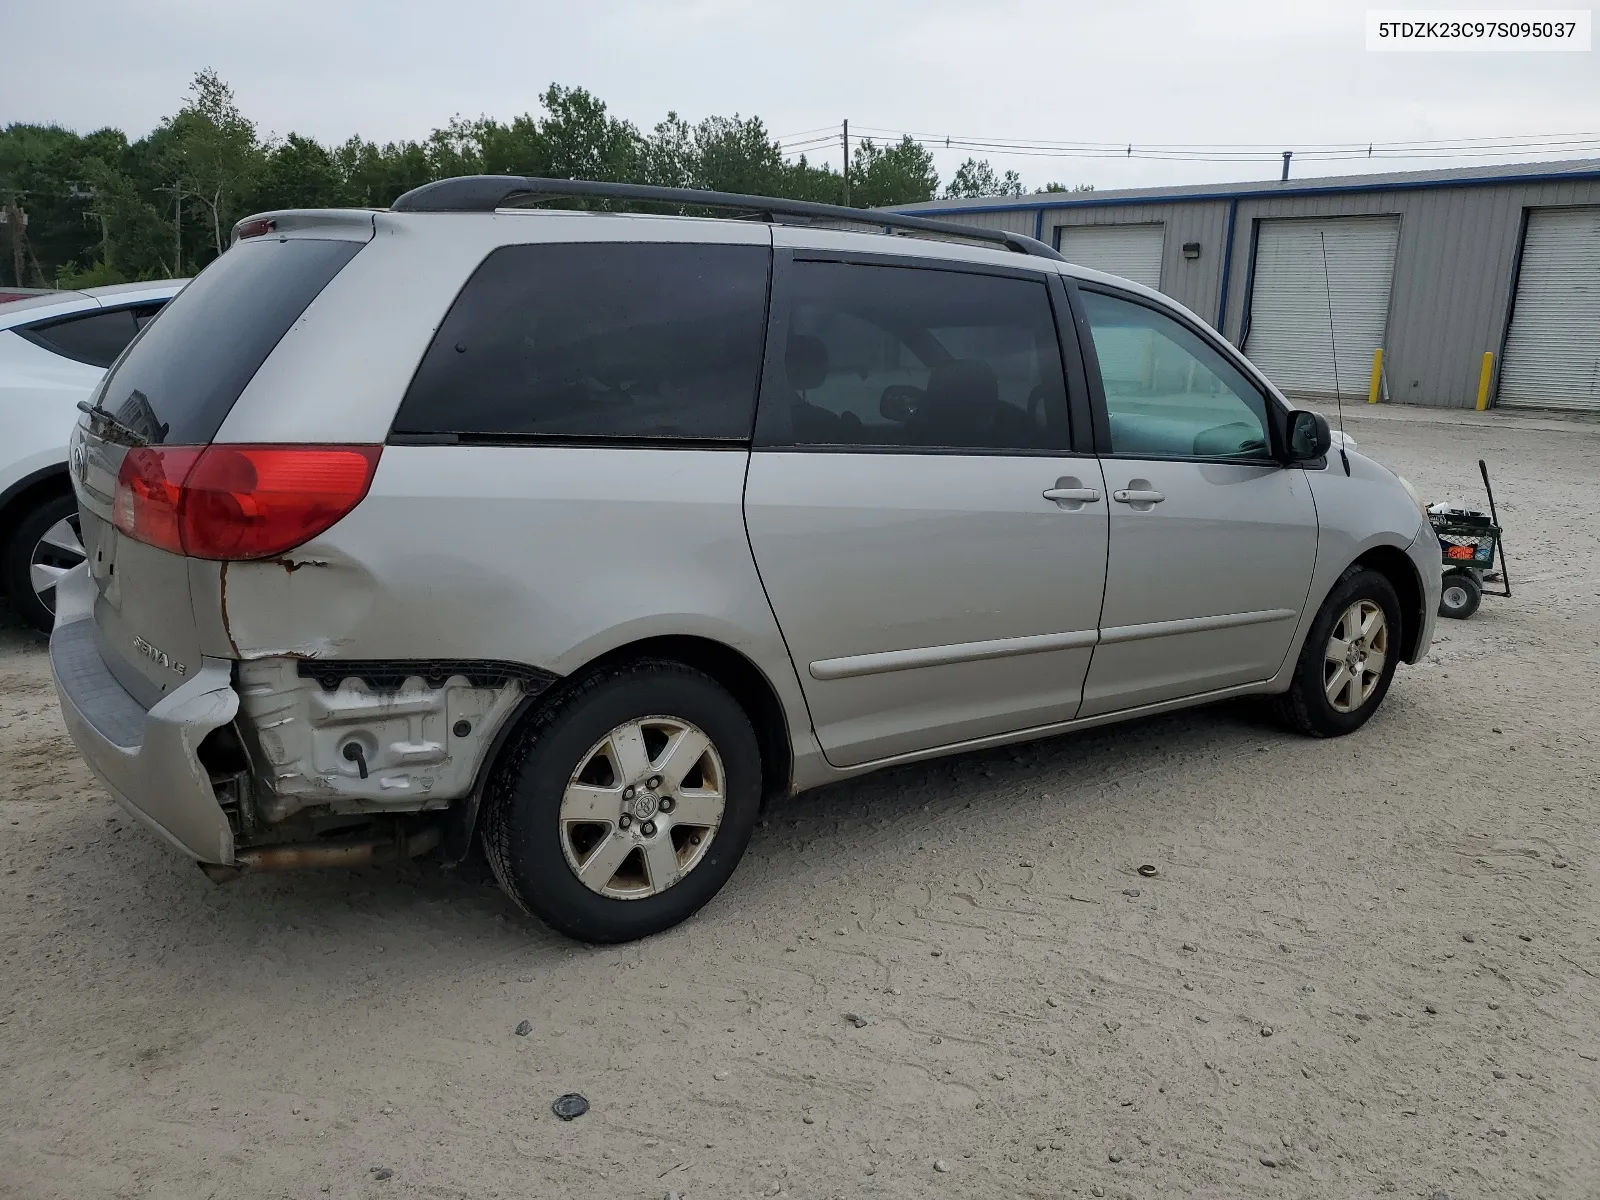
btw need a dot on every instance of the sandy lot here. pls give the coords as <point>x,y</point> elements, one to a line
<point>1366,967</point>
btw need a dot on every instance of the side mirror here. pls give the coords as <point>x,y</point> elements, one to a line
<point>1309,436</point>
<point>899,402</point>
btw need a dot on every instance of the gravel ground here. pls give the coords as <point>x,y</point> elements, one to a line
<point>1364,967</point>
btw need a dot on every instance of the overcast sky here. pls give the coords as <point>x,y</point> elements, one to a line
<point>1284,72</point>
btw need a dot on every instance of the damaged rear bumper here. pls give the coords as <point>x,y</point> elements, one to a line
<point>148,759</point>
<point>320,748</point>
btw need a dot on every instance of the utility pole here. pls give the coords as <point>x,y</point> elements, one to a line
<point>177,224</point>
<point>845,137</point>
<point>16,221</point>
<point>1287,155</point>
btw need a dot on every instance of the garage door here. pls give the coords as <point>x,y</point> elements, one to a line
<point>1290,337</point>
<point>1131,251</point>
<point>1553,349</point>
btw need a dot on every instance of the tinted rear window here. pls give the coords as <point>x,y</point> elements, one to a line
<point>184,372</point>
<point>910,358</point>
<point>598,341</point>
<point>95,338</point>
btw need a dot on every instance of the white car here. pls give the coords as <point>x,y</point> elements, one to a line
<point>54,348</point>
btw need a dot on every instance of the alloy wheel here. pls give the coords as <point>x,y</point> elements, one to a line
<point>54,554</point>
<point>1354,660</point>
<point>642,808</point>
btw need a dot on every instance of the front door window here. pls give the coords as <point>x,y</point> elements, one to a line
<point>1169,394</point>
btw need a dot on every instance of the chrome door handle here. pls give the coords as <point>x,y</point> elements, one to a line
<point>1080,494</point>
<point>1137,496</point>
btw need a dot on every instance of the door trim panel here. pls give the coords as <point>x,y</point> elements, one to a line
<point>1155,629</point>
<point>855,665</point>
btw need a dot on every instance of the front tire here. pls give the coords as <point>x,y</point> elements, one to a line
<point>1348,660</point>
<point>44,546</point>
<point>626,805</point>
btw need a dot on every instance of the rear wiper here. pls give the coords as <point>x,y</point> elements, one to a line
<point>128,431</point>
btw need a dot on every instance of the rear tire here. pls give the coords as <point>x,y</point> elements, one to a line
<point>608,821</point>
<point>1348,660</point>
<point>44,545</point>
<point>1460,595</point>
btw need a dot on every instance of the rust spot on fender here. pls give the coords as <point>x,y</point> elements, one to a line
<point>291,566</point>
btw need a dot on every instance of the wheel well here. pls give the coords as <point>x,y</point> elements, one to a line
<point>1395,566</point>
<point>745,683</point>
<point>53,481</point>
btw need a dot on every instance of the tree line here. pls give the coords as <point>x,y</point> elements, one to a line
<point>77,210</point>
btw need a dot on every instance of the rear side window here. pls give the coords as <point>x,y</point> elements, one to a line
<point>182,375</point>
<point>910,358</point>
<point>601,341</point>
<point>94,337</point>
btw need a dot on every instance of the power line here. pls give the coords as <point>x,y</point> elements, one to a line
<point>1121,147</point>
<point>804,133</point>
<point>1485,146</point>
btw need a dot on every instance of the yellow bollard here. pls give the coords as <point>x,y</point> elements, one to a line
<point>1484,375</point>
<point>1377,375</point>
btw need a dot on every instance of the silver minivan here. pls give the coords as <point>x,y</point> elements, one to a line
<point>582,533</point>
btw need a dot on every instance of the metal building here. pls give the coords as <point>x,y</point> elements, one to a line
<point>1436,268</point>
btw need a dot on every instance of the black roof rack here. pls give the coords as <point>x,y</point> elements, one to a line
<point>485,193</point>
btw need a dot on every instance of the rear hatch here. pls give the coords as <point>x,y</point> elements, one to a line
<point>137,455</point>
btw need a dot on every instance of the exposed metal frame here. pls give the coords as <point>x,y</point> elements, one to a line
<point>486,193</point>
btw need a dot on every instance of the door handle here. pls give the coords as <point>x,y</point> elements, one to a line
<point>1082,495</point>
<point>1138,496</point>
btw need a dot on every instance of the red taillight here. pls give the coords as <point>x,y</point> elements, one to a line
<point>237,502</point>
<point>150,492</point>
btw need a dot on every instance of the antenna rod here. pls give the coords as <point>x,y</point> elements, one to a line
<point>1333,343</point>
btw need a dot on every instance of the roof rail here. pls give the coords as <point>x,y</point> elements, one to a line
<point>485,193</point>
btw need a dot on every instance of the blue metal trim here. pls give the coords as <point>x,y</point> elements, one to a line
<point>1249,284</point>
<point>1413,185</point>
<point>1227,268</point>
<point>1038,225</point>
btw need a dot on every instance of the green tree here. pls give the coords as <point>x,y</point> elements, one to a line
<point>976,177</point>
<point>667,156</point>
<point>456,149</point>
<point>802,181</point>
<point>899,174</point>
<point>42,175</point>
<point>515,149</point>
<point>734,154</point>
<point>99,207</point>
<point>298,173</point>
<point>374,175</point>
<point>215,152</point>
<point>581,140</point>
<point>1053,187</point>
<point>135,238</point>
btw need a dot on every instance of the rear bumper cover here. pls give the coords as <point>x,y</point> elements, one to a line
<point>147,759</point>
